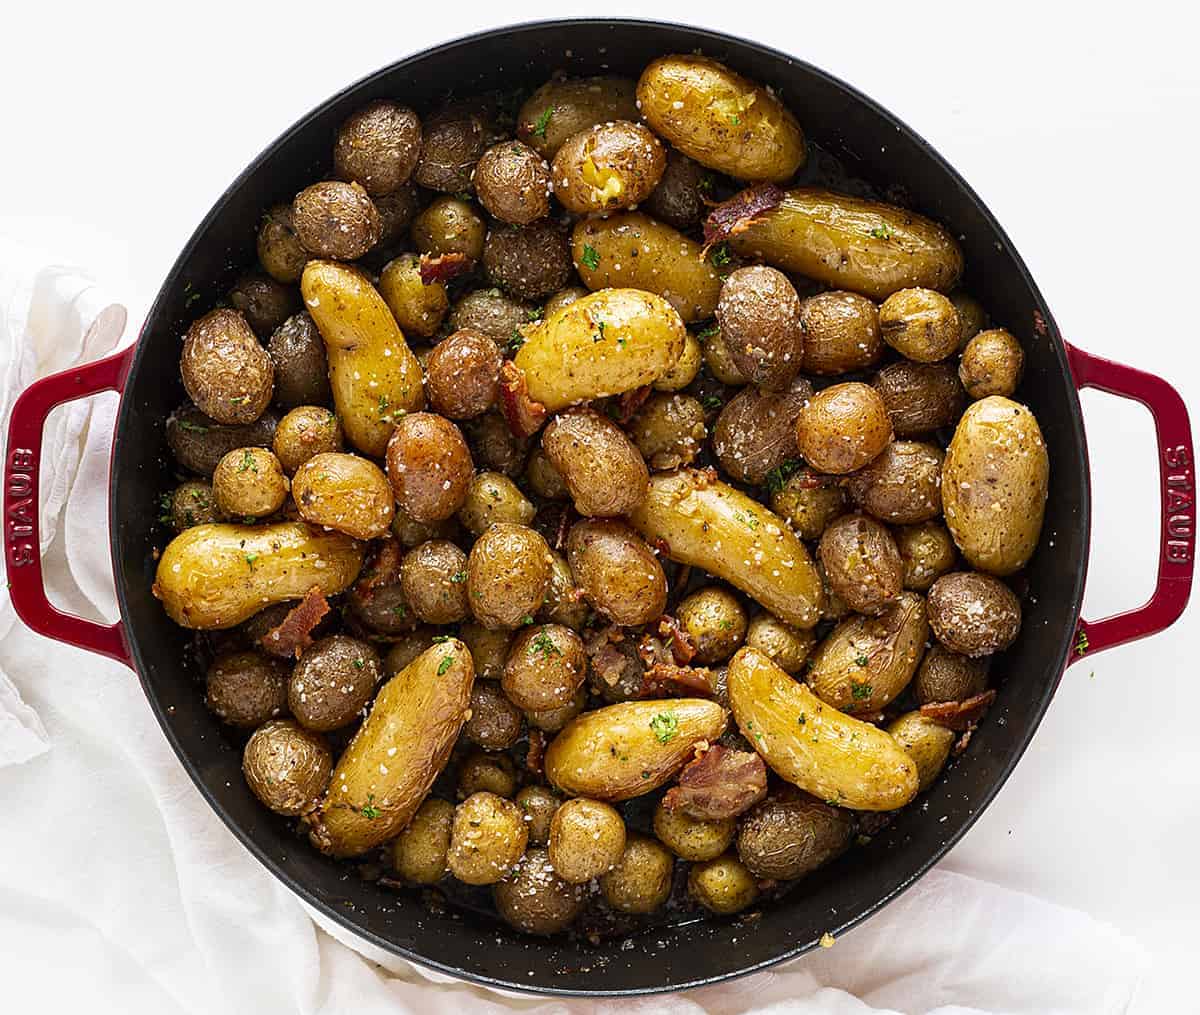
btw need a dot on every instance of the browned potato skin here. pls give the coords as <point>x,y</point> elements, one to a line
<point>587,839</point>
<point>617,571</point>
<point>489,649</point>
<point>429,466</point>
<point>225,371</point>
<point>920,324</point>
<point>301,368</point>
<point>306,431</point>
<point>971,316</point>
<point>512,182</point>
<point>692,838</point>
<point>417,307</point>
<point>573,104</point>
<point>249,483</point>
<point>926,552</point>
<point>973,614</point>
<point>718,360</point>
<point>508,575</point>
<point>433,577</point>
<point>344,492</point>
<point>494,445</point>
<point>786,646</point>
<point>245,689</point>
<point>378,146</point>
<point>287,767</point>
<point>453,138</point>
<point>419,852</point>
<point>756,431</point>
<point>529,262</point>
<point>481,772</point>
<point>809,502</point>
<point>492,497</point>
<point>948,676</point>
<point>396,212</point>
<point>791,834</point>
<point>334,678</point>
<point>841,333</point>
<point>715,622</point>
<point>603,469</point>
<point>926,742</point>
<point>903,485</point>
<point>264,302</point>
<point>462,377</point>
<point>280,252</point>
<point>545,668</point>
<point>190,503</point>
<point>669,430</point>
<point>920,397</point>
<point>679,198</point>
<point>992,364</point>
<point>495,722</point>
<point>544,479</point>
<point>641,880</point>
<point>449,226</point>
<point>861,563</point>
<point>538,804</point>
<point>487,839</point>
<point>534,899</point>
<point>491,313</point>
<point>554,719</point>
<point>336,220</point>
<point>759,317</point>
<point>608,166</point>
<point>843,427</point>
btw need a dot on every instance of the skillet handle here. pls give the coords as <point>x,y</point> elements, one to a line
<point>22,557</point>
<point>1177,488</point>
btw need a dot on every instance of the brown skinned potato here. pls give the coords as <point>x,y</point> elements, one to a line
<point>679,198</point>
<point>508,575</point>
<point>861,563</point>
<point>759,317</point>
<point>263,301</point>
<point>512,182</point>
<point>306,431</point>
<point>280,251</point>
<point>545,668</point>
<point>333,679</point>
<point>529,262</point>
<point>286,767</point>
<point>920,397</point>
<point>538,803</point>
<point>453,138</point>
<point>903,485</point>
<point>841,333</point>
<point>948,676</point>
<point>602,467</point>
<point>611,165</point>
<point>463,374</point>
<point>481,772</point>
<point>617,572</point>
<point>755,433</point>
<point>246,689</point>
<point>791,834</point>
<point>190,503</point>
<point>225,371</point>
<point>534,899</point>
<point>378,146</point>
<point>336,220</point>
<point>301,369</point>
<point>433,577</point>
<point>973,613</point>
<point>199,442</point>
<point>429,466</point>
<point>843,427</point>
<point>495,722</point>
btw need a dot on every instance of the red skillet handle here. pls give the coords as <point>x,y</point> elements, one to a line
<point>1177,482</point>
<point>21,538</point>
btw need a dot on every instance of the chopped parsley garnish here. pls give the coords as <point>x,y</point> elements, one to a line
<point>526,620</point>
<point>883,232</point>
<point>459,578</point>
<point>746,519</point>
<point>438,639</point>
<point>535,313</point>
<point>720,255</point>
<point>735,120</point>
<point>192,427</point>
<point>543,121</point>
<point>861,659</point>
<point>369,810</point>
<point>516,341</point>
<point>250,559</point>
<point>247,462</point>
<point>779,475</point>
<point>543,643</point>
<point>860,692</point>
<point>726,625</point>
<point>445,664</point>
<point>706,333</point>
<point>591,257</point>
<point>359,664</point>
<point>665,727</point>
<point>711,402</point>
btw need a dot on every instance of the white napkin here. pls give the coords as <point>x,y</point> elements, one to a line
<point>123,891</point>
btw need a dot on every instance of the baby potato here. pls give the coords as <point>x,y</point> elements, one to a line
<point>948,676</point>
<point>669,430</point>
<point>603,469</point>
<point>249,483</point>
<point>973,614</point>
<point>808,502</point>
<point>718,360</point>
<point>480,772</point>
<point>494,446</point>
<point>216,576</point>
<point>545,668</point>
<point>707,524</point>
<point>453,138</point>
<point>306,431</point>
<point>902,485</point>
<point>632,250</point>
<point>199,442</point>
<point>759,317</point>
<point>920,397</point>
<point>495,722</point>
<point>264,302</point>
<point>865,662</point>
<point>551,720</point>
<point>723,885</point>
<point>617,571</point>
<point>562,298</point>
<point>417,307</point>
<point>628,749</point>
<point>286,767</point>
<point>433,578</point>
<point>225,371</point>
<point>491,313</point>
<point>843,427</point>
<point>714,621</point>
<point>717,117</point>
<point>926,742</point>
<point>686,367</point>
<point>396,212</point>
<point>786,646</point>
<point>529,262</point>
<point>920,324</point>
<point>564,600</point>
<point>991,364</point>
<point>344,492</point>
<point>374,374</point>
<point>378,146</point>
<point>490,498</point>
<point>603,344</point>
<point>641,880</point>
<point>814,746</point>
<point>563,107</point>
<point>487,839</point>
<point>926,553</point>
<point>280,251</point>
<point>386,772</point>
<point>489,648</point>
<point>608,166</point>
<point>538,804</point>
<point>449,225</point>
<point>508,573</point>
<point>333,679</point>
<point>972,318</point>
<point>994,484</point>
<point>587,839</point>
<point>543,478</point>
<point>336,220</point>
<point>463,374</point>
<point>246,689</point>
<point>841,333</point>
<point>429,466</point>
<point>692,838</point>
<point>679,199</point>
<point>534,899</point>
<point>190,503</point>
<point>406,647</point>
<point>301,369</point>
<point>791,834</point>
<point>512,182</point>
<point>755,433</point>
<point>419,852</point>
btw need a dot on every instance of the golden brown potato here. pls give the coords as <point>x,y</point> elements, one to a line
<point>926,742</point>
<point>717,117</point>
<point>378,146</point>
<point>534,899</point>
<point>791,834</point>
<point>453,138</point>
<point>587,839</point>
<point>286,767</point>
<point>489,649</point>
<point>843,428</point>
<point>920,397</point>
<point>723,885</point>
<point>306,431</point>
<point>481,772</point>
<point>512,182</point>
<point>920,324</point>
<point>973,614</point>
<point>249,483</point>
<point>490,498</point>
<point>529,262</point>
<point>545,668</point>
<point>714,621</point>
<point>429,466</point>
<point>686,368</point>
<point>419,852</point>
<point>692,838</point>
<point>190,503</point>
<point>808,502</point>
<point>608,166</point>
<point>508,573</point>
<point>333,679</point>
<point>786,646</point>
<point>926,553</point>
<point>554,719</point>
<point>449,225</point>
<point>538,804</point>
<point>971,317</point>
<point>225,371</point>
<point>641,880</point>
<point>948,676</point>
<point>669,430</point>
<point>841,333</point>
<point>336,220</point>
<point>487,839</point>
<point>603,469</point>
<point>246,689</point>
<point>543,478</point>
<point>759,317</point>
<point>301,369</point>
<point>563,107</point>
<point>632,250</point>
<point>264,302</point>
<point>344,492</point>
<point>903,485</point>
<point>417,307</point>
<point>992,364</point>
<point>564,600</point>
<point>495,722</point>
<point>433,578</point>
<point>718,360</point>
<point>280,251</point>
<point>463,374</point>
<point>679,199</point>
<point>755,434</point>
<point>617,571</point>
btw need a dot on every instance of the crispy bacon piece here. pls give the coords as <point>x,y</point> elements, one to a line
<point>1039,324</point>
<point>740,212</point>
<point>524,416</point>
<point>444,267</point>
<point>630,402</point>
<point>669,679</point>
<point>536,752</point>
<point>679,641</point>
<point>382,570</point>
<point>661,546</point>
<point>294,633</point>
<point>959,715</point>
<point>720,783</point>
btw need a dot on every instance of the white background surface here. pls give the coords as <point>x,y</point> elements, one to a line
<point>122,125</point>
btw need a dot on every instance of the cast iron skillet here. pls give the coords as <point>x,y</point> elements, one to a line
<point>873,145</point>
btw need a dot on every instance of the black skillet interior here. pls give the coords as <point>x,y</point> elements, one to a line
<point>872,145</point>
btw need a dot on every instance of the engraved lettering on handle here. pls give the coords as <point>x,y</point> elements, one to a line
<point>21,516</point>
<point>1179,505</point>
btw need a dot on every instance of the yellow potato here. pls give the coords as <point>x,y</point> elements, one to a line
<point>217,575</point>
<point>994,483</point>
<point>563,107</point>
<point>926,742</point>
<point>346,493</point>
<point>717,117</point>
<point>374,375</point>
<point>634,250</point>
<point>812,745</point>
<point>710,525</point>
<point>606,343</point>
<point>852,243</point>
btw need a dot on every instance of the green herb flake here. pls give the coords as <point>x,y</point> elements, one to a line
<point>862,659</point>
<point>445,664</point>
<point>860,692</point>
<point>369,810</point>
<point>802,719</point>
<point>778,476</point>
<point>515,342</point>
<point>726,624</point>
<point>250,559</point>
<point>543,643</point>
<point>248,462</point>
<point>735,120</point>
<point>591,257</point>
<point>459,578</point>
<point>526,620</point>
<point>190,300</point>
<point>665,727</point>
<point>543,121</point>
<point>704,334</point>
<point>359,664</point>
<point>721,256</point>
<point>747,520</point>
<point>438,639</point>
<point>711,402</point>
<point>883,232</point>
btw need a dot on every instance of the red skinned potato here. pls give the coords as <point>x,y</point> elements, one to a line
<point>429,466</point>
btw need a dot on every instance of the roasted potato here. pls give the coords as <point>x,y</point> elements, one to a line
<point>603,469</point>
<point>449,225</point>
<point>396,213</point>
<point>791,834</point>
<point>489,648</point>
<point>563,107</point>
<point>543,478</point>
<point>564,600</point>
<point>225,371</point>
<point>669,430</point>
<point>494,446</point>
<point>332,681</point>
<point>723,885</point>
<point>679,199</point>
<point>972,318</point>
<point>641,880</point>
<point>587,839</point>
<point>406,647</point>
<point>378,146</point>
<point>973,614</point>
<point>902,485</point>
<point>286,767</point>
<point>245,689</point>
<point>512,182</point>
<point>336,220</point>
<point>301,369</point>
<point>759,317</point>
<point>344,492</point>
<point>306,431</point>
<point>786,646</point>
<point>495,722</point>
<point>841,333</point>
<point>491,313</point>
<point>462,376</point>
<point>715,623</point>
<point>606,167</point>
<point>920,397</point>
<point>419,852</point>
<point>562,298</point>
<point>926,742</point>
<point>617,571</point>
<point>262,301</point>
<point>686,368</point>
<point>718,360</point>
<point>481,772</point>
<point>692,838</point>
<point>452,140</point>
<point>434,580</point>
<point>429,466</point>
<point>755,435</point>
<point>529,262</point>
<point>249,483</point>
<point>199,442</point>
<point>190,503</point>
<point>948,676</point>
<point>538,804</point>
<point>920,324</point>
<point>808,502</point>
<point>487,839</point>
<point>492,497</point>
<point>554,719</point>
<point>926,553</point>
<point>534,899</point>
<point>418,307</point>
<point>992,363</point>
<point>508,573</point>
<point>280,251</point>
<point>843,427</point>
<point>545,668</point>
